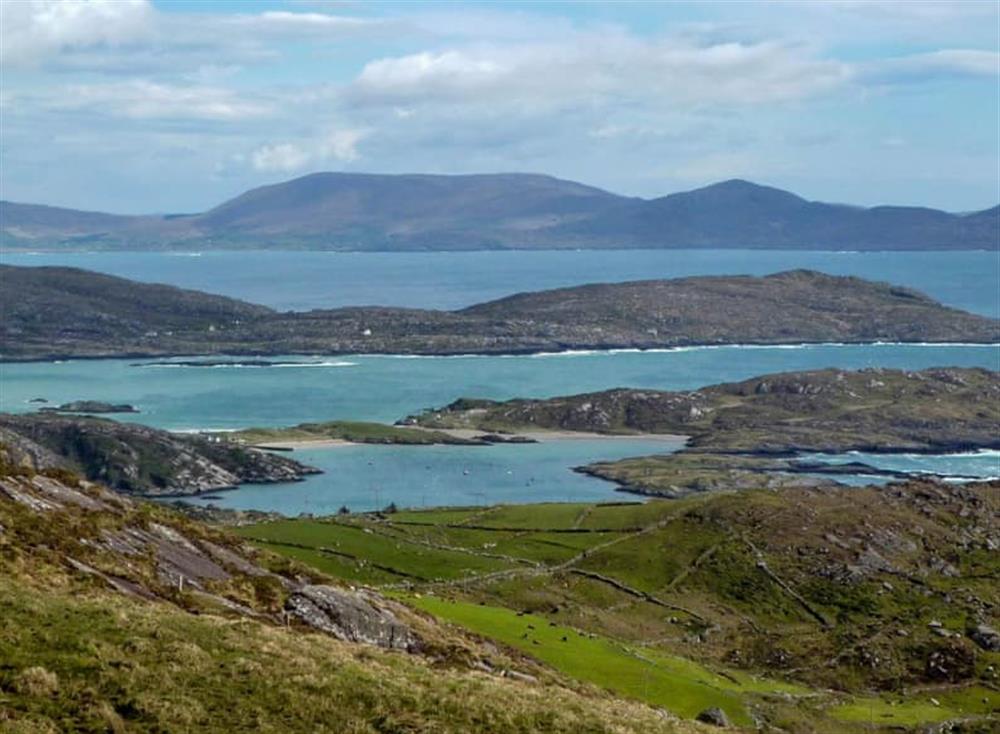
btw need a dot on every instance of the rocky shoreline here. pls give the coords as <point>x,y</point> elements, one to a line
<point>754,433</point>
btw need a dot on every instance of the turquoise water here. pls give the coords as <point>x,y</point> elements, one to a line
<point>304,280</point>
<point>370,477</point>
<point>386,388</point>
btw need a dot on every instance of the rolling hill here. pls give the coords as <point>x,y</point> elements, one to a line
<point>54,313</point>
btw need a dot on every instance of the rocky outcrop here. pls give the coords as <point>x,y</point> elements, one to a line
<point>158,559</point>
<point>140,460</point>
<point>353,616</point>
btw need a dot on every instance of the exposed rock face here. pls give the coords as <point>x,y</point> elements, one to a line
<point>352,616</point>
<point>150,558</point>
<point>140,460</point>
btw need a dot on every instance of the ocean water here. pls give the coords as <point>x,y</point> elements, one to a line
<point>370,477</point>
<point>386,388</point>
<point>306,280</point>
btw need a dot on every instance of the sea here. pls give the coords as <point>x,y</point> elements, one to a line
<point>387,387</point>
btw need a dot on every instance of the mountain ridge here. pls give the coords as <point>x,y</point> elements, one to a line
<point>413,212</point>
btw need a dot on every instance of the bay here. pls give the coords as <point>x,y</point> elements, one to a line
<point>386,388</point>
<point>364,478</point>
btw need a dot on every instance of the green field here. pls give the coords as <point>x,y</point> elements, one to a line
<point>712,600</point>
<point>683,686</point>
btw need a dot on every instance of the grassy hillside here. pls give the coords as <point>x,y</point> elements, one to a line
<point>117,616</point>
<point>812,610</point>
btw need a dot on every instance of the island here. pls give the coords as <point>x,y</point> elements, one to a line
<point>90,407</point>
<point>58,313</point>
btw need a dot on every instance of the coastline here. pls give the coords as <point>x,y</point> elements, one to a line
<point>468,433</point>
<point>569,350</point>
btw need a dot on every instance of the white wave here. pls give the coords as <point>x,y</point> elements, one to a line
<point>236,366</point>
<point>316,364</point>
<point>195,431</point>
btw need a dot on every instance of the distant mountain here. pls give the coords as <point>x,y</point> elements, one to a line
<point>53,313</point>
<point>353,211</point>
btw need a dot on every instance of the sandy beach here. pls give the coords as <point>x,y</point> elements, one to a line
<point>466,433</point>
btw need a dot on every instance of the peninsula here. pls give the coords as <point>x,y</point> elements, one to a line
<point>750,433</point>
<point>58,313</point>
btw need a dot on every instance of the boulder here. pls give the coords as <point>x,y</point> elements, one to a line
<point>986,637</point>
<point>351,616</point>
<point>714,716</point>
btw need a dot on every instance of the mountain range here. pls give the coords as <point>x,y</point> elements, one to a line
<point>355,211</point>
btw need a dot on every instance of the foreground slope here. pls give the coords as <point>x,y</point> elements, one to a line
<point>798,610</point>
<point>358,211</point>
<point>63,312</point>
<point>117,616</point>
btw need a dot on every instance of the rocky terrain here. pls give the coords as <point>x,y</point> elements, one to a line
<point>52,313</point>
<point>137,459</point>
<point>356,211</point>
<point>744,434</point>
<point>120,615</point>
<point>832,410</point>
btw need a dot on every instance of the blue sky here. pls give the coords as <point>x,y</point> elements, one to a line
<point>133,106</point>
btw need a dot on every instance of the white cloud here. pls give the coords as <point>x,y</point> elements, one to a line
<point>336,145</point>
<point>593,71</point>
<point>141,99</point>
<point>282,157</point>
<point>282,22</point>
<point>31,30</point>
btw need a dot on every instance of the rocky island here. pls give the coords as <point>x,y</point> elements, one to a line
<point>55,313</point>
<point>749,433</point>
<point>93,407</point>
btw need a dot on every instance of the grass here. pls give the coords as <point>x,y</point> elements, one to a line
<point>152,668</point>
<point>919,708</point>
<point>771,583</point>
<point>683,686</point>
<point>408,558</point>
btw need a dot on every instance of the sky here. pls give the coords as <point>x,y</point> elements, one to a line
<point>132,106</point>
